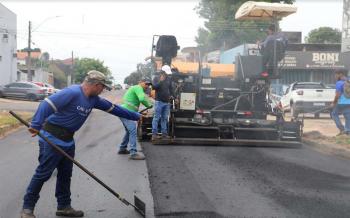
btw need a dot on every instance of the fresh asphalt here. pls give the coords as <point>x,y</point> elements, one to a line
<point>214,181</point>
<point>182,181</point>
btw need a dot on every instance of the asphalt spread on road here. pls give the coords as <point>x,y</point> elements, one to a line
<point>192,181</point>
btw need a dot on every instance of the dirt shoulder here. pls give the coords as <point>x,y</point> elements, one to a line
<point>321,135</point>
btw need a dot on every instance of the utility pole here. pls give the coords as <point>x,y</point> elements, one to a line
<point>29,60</point>
<point>345,44</point>
<point>72,69</point>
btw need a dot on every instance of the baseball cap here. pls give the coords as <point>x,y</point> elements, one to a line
<point>166,69</point>
<point>97,76</point>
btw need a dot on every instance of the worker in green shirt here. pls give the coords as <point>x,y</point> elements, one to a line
<point>131,101</point>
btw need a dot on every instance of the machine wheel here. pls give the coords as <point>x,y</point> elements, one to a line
<point>293,111</point>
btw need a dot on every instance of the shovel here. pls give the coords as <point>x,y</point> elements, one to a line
<point>138,205</point>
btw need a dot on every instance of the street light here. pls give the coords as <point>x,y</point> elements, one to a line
<point>29,62</point>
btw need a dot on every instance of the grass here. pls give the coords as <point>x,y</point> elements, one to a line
<point>6,119</point>
<point>343,140</point>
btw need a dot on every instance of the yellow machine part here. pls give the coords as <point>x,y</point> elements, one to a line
<point>216,70</point>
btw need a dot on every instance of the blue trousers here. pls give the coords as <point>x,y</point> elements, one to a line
<point>130,135</point>
<point>345,110</point>
<point>161,112</point>
<point>49,160</point>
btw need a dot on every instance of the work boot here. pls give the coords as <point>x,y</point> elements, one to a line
<point>341,133</point>
<point>155,137</point>
<point>137,156</point>
<point>123,151</point>
<point>165,136</point>
<point>69,212</point>
<point>27,213</point>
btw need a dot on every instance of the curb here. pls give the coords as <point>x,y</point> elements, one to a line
<point>328,148</point>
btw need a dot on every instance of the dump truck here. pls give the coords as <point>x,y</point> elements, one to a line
<point>222,108</point>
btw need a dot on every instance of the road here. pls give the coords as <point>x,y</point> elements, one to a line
<point>199,182</point>
<point>96,150</point>
<point>18,105</point>
<point>185,181</point>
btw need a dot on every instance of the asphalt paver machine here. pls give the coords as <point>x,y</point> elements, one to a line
<point>224,110</point>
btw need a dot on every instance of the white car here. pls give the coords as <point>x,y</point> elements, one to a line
<point>307,97</point>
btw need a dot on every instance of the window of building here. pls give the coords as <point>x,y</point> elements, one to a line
<point>5,38</point>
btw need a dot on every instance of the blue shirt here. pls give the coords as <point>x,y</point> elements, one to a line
<point>339,87</point>
<point>69,108</point>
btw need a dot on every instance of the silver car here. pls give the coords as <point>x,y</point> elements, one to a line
<point>24,90</point>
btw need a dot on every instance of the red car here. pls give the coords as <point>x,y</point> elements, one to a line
<point>50,89</point>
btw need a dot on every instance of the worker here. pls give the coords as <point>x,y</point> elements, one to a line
<point>164,93</point>
<point>57,118</point>
<point>273,47</point>
<point>341,102</point>
<point>131,101</point>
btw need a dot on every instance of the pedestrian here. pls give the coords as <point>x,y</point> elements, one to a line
<point>57,118</point>
<point>164,93</point>
<point>131,101</point>
<point>341,102</point>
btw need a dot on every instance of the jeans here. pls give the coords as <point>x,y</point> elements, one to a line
<point>161,112</point>
<point>346,114</point>
<point>49,160</point>
<point>130,135</point>
<point>345,110</point>
<point>335,116</point>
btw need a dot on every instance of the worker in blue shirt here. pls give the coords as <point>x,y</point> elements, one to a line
<point>341,102</point>
<point>57,118</point>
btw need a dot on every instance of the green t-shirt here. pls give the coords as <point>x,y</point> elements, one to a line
<point>134,97</point>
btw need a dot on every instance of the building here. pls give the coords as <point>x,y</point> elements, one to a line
<point>302,62</point>
<point>23,55</point>
<point>8,45</point>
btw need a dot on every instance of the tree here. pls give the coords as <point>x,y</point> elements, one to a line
<point>324,35</point>
<point>60,79</point>
<point>221,30</point>
<point>84,65</point>
<point>142,71</point>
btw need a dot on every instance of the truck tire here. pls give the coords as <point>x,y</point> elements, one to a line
<point>293,111</point>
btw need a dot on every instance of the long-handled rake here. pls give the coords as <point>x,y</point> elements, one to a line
<point>138,205</point>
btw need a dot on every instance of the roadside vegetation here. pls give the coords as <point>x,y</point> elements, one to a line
<point>8,122</point>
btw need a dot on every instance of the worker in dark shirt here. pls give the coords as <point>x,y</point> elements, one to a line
<point>57,118</point>
<point>164,93</point>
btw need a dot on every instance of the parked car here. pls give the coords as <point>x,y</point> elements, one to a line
<point>50,89</point>
<point>276,93</point>
<point>331,86</point>
<point>307,97</point>
<point>118,87</point>
<point>26,90</point>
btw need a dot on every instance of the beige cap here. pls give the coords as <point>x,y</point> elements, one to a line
<point>99,77</point>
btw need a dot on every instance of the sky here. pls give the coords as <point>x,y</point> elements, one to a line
<point>119,33</point>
